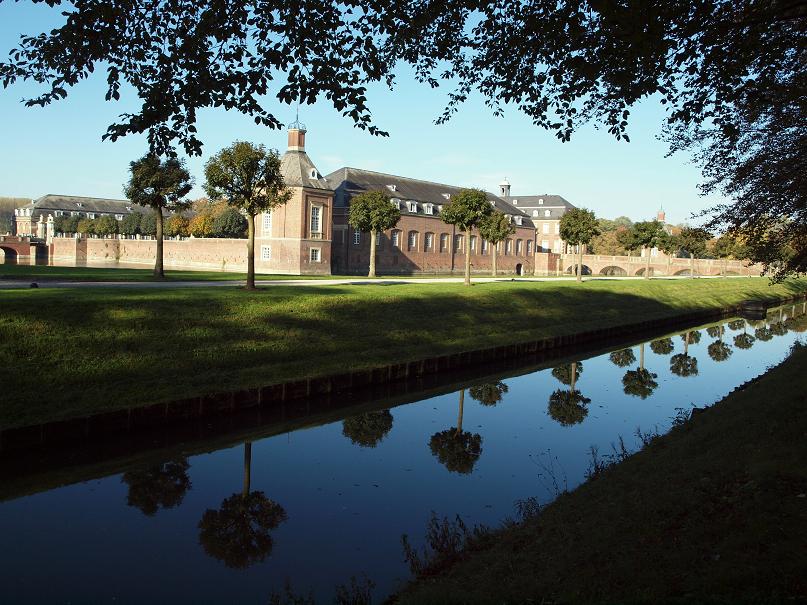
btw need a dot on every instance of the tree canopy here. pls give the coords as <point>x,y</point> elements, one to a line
<point>457,450</point>
<point>369,429</point>
<point>489,393</point>
<point>496,227</point>
<point>373,211</point>
<point>158,486</point>
<point>578,226</point>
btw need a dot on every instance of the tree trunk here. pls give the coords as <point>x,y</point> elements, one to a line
<point>724,267</point>
<point>686,345</point>
<point>467,257</point>
<point>574,375</point>
<point>691,265</point>
<point>247,467</point>
<point>669,264</point>
<point>373,236</point>
<point>459,415</point>
<point>647,264</point>
<point>250,252</point>
<point>493,245</point>
<point>579,262</point>
<point>158,261</point>
<point>641,356</point>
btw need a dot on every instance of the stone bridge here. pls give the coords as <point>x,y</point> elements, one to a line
<point>600,264</point>
<point>15,247</point>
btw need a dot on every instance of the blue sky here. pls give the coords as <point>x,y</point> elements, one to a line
<point>58,149</point>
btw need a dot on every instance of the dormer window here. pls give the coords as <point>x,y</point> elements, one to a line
<point>547,213</point>
<point>128,208</point>
<point>428,208</point>
<point>518,220</point>
<point>541,201</point>
<point>314,174</point>
<point>392,187</point>
<point>515,202</point>
<point>535,213</point>
<point>79,204</point>
<point>396,202</point>
<point>412,206</point>
<point>447,196</point>
<point>439,208</point>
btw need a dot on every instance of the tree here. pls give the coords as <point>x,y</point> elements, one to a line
<point>368,429</point>
<point>662,346</point>
<point>230,223</point>
<point>568,407</point>
<point>148,224</point>
<point>763,333</point>
<point>577,227</point>
<point>607,242</point>
<point>647,235</point>
<point>177,225</point>
<point>238,533</point>
<point>495,228</point>
<point>160,185</point>
<point>719,351</point>
<point>670,246</point>
<point>456,449</point>
<point>622,358</point>
<point>682,364</point>
<point>158,486</point>
<point>568,373</point>
<point>86,226</point>
<point>744,341</point>
<point>106,225</point>
<point>373,212</point>
<point>693,242</point>
<point>130,225</point>
<point>639,383</point>
<point>489,393</point>
<point>248,177</point>
<point>201,225</point>
<point>626,238</point>
<point>466,210</point>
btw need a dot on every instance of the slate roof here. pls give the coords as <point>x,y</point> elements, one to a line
<point>74,203</point>
<point>555,204</point>
<point>347,182</point>
<point>299,171</point>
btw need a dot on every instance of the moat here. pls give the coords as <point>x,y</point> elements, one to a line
<point>317,504</point>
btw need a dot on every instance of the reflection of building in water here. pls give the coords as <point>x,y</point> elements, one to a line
<point>311,234</point>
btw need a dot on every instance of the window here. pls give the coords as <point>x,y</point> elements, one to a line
<point>529,247</point>
<point>447,196</point>
<point>392,188</point>
<point>379,239</point>
<point>508,247</point>
<point>118,217</point>
<point>541,201</point>
<point>267,223</point>
<point>547,213</point>
<point>428,208</point>
<point>266,252</point>
<point>545,228</point>
<point>443,242</point>
<point>557,227</point>
<point>473,243</point>
<point>484,246</point>
<point>534,213</point>
<point>315,255</point>
<point>518,219</point>
<point>545,245</point>
<point>412,242</point>
<point>428,241</point>
<point>396,238</point>
<point>457,243</point>
<point>91,215</point>
<point>396,202</point>
<point>316,221</point>
<point>556,247</point>
<point>356,237</point>
<point>519,246</point>
<point>412,206</point>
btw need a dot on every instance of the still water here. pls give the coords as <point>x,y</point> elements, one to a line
<point>316,506</point>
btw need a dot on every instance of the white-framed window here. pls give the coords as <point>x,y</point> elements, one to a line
<point>545,228</point>
<point>457,243</point>
<point>396,238</point>
<point>396,202</point>
<point>266,252</point>
<point>545,245</point>
<point>541,201</point>
<point>556,246</point>
<point>315,255</point>
<point>118,217</point>
<point>518,220</point>
<point>267,222</point>
<point>392,187</point>
<point>412,206</point>
<point>379,237</point>
<point>484,246</point>
<point>557,228</point>
<point>508,247</point>
<point>547,213</point>
<point>412,242</point>
<point>356,237</point>
<point>428,208</point>
<point>473,243</point>
<point>316,220</point>
<point>428,241</point>
<point>91,215</point>
<point>534,213</point>
<point>443,242</point>
<point>529,247</point>
<point>519,246</point>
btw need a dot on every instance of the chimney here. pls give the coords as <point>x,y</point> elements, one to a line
<point>504,188</point>
<point>297,139</point>
<point>660,215</point>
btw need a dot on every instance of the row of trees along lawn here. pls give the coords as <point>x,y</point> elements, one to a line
<point>215,220</point>
<point>580,227</point>
<point>244,178</point>
<point>373,212</point>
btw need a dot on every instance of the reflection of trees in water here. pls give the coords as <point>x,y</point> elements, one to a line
<point>682,364</point>
<point>568,407</point>
<point>763,333</point>
<point>744,341</point>
<point>692,337</point>
<point>568,371</point>
<point>238,533</point>
<point>736,324</point>
<point>779,328</point>
<point>719,351</point>
<point>369,429</point>
<point>622,358</point>
<point>662,346</point>
<point>456,449</point>
<point>490,393</point>
<point>639,383</point>
<point>158,486</point>
<point>715,331</point>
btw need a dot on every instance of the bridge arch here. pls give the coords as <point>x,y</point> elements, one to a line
<point>571,269</point>
<point>686,272</point>
<point>9,254</point>
<point>613,270</point>
<point>641,271</point>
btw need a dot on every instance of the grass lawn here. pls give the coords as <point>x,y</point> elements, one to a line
<point>70,352</point>
<point>713,512</point>
<point>46,272</point>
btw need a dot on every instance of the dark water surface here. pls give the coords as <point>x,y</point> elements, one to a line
<point>329,502</point>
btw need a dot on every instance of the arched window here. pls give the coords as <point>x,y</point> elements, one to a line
<point>412,241</point>
<point>396,238</point>
<point>444,242</point>
<point>428,242</point>
<point>473,244</point>
<point>508,247</point>
<point>529,247</point>
<point>519,246</point>
<point>458,243</point>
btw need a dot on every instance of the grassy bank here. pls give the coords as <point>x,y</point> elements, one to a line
<point>70,352</point>
<point>713,512</point>
<point>52,273</point>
